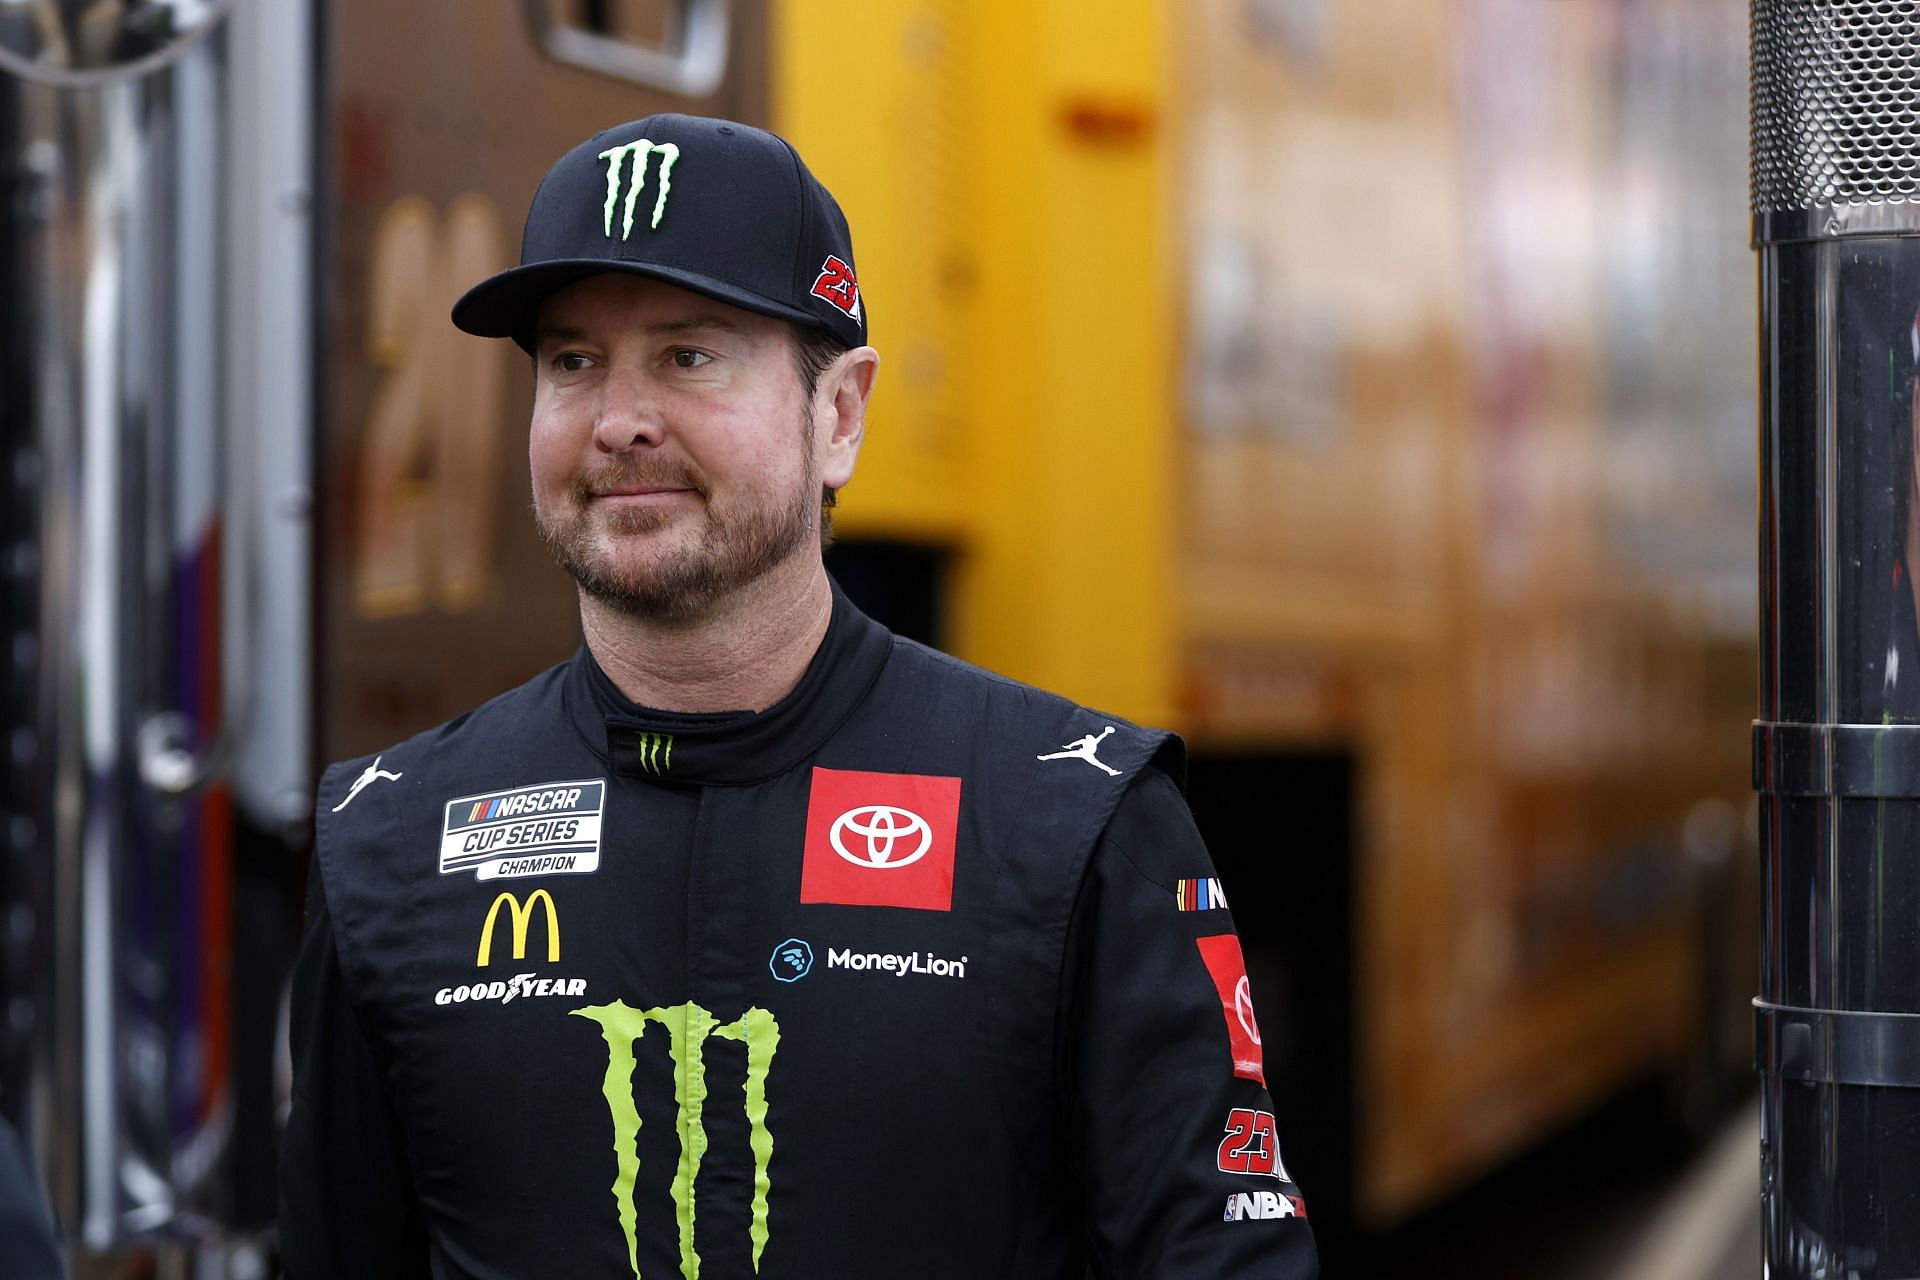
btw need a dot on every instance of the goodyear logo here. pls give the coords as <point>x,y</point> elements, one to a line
<point>550,828</point>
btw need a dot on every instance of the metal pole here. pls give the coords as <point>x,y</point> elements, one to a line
<point>1836,220</point>
<point>156,441</point>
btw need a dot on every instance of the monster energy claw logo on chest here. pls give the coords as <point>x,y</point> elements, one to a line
<point>688,1029</point>
<point>642,150</point>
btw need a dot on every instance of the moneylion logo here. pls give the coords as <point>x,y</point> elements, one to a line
<point>880,827</point>
<point>520,917</point>
<point>688,1028</point>
<point>642,150</point>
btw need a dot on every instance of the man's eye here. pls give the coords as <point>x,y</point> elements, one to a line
<point>686,358</point>
<point>571,362</point>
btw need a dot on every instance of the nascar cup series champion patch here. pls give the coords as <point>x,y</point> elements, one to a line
<point>550,828</point>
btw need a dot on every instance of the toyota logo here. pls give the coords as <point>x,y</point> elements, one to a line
<point>1243,1009</point>
<point>879,833</point>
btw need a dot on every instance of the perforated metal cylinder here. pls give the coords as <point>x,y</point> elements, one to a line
<point>1836,138</point>
<point>1836,217</point>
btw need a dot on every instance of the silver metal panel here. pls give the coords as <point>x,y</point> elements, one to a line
<point>1836,204</point>
<point>73,46</point>
<point>270,386</point>
<point>694,66</point>
<point>1839,781</point>
<point>165,413</point>
<point>1829,222</point>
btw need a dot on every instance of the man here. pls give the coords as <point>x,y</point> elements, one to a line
<point>755,940</point>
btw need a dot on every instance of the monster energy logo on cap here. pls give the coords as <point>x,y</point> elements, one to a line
<point>642,150</point>
<point>688,1029</point>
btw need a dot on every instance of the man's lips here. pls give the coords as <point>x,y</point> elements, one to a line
<point>639,489</point>
<point>640,494</point>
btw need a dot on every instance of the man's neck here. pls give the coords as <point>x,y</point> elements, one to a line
<point>744,654</point>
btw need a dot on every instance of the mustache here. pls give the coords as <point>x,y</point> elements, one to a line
<point>635,473</point>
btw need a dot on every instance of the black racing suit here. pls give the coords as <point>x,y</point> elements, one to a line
<point>918,973</point>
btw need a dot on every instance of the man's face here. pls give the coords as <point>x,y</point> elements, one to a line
<point>672,448</point>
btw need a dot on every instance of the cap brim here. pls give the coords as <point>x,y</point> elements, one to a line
<point>506,305</point>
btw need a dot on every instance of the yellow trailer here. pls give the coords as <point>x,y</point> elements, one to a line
<point>1363,389</point>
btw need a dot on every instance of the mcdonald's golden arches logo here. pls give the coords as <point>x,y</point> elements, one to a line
<point>520,916</point>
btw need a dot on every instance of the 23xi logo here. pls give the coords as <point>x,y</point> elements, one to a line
<point>836,286</point>
<point>1250,1145</point>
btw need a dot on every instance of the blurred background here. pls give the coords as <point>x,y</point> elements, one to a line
<point>1363,388</point>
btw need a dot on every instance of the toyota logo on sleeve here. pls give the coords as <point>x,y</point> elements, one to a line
<point>1243,1009</point>
<point>876,833</point>
<point>880,839</point>
<point>1228,969</point>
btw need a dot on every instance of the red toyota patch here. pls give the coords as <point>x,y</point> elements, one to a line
<point>880,839</point>
<point>1229,970</point>
<point>837,285</point>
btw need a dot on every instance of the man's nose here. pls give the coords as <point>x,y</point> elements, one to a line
<point>631,414</point>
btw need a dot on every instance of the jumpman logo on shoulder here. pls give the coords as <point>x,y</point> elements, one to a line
<point>1084,749</point>
<point>362,782</point>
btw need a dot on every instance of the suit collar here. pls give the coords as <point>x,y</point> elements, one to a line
<point>737,747</point>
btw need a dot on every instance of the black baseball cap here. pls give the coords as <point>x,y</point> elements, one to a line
<point>719,208</point>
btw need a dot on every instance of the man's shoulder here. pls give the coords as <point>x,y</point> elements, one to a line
<point>937,672</point>
<point>506,719</point>
<point>952,697</point>
<point>398,796</point>
<point>392,821</point>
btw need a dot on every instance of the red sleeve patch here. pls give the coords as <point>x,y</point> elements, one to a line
<point>1221,952</point>
<point>880,839</point>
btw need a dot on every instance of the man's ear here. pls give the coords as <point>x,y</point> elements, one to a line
<point>840,413</point>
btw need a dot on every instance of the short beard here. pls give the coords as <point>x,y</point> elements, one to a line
<point>734,549</point>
